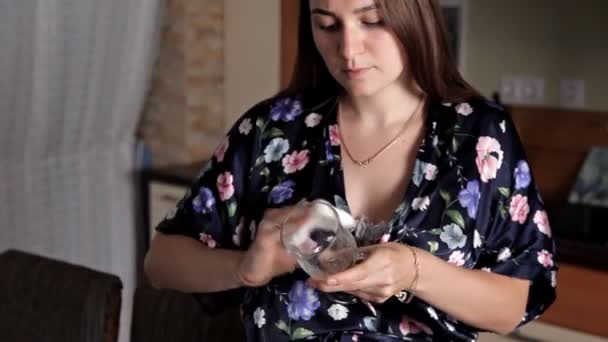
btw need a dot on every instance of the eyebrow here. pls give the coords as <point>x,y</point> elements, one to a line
<point>356,11</point>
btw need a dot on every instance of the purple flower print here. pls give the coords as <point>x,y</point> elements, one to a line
<point>282,192</point>
<point>286,109</point>
<point>495,105</point>
<point>303,301</point>
<point>328,152</point>
<point>469,198</point>
<point>522,175</point>
<point>204,201</point>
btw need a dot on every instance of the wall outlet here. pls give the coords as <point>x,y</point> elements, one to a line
<point>522,90</point>
<point>533,90</point>
<point>572,93</point>
<point>510,90</point>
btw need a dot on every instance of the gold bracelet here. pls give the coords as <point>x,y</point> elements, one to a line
<point>406,296</point>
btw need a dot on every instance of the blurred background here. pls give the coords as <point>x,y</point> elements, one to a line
<point>108,108</point>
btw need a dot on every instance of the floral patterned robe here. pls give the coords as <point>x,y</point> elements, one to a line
<point>471,201</point>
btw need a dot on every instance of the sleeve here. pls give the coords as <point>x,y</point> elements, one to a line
<point>212,208</point>
<point>517,235</point>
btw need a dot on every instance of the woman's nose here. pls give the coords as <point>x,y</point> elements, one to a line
<point>351,42</point>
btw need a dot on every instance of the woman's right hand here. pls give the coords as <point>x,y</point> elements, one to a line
<point>266,258</point>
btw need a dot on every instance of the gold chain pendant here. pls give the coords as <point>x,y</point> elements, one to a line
<point>369,160</point>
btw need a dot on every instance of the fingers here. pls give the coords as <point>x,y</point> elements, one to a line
<point>359,276</point>
<point>354,278</point>
<point>375,294</point>
<point>276,217</point>
<point>371,296</point>
<point>273,218</point>
<point>271,224</point>
<point>375,279</point>
<point>274,213</point>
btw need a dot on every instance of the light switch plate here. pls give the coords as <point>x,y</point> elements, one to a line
<point>510,90</point>
<point>572,93</point>
<point>528,90</point>
<point>533,90</point>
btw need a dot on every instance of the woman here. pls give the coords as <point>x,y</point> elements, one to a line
<point>377,120</point>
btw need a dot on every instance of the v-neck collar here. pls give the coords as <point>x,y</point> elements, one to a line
<point>423,153</point>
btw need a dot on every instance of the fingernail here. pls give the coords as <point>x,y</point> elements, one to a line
<point>332,281</point>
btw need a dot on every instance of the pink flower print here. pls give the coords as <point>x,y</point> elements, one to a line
<point>542,222</point>
<point>457,258</point>
<point>411,326</point>
<point>225,186</point>
<point>312,120</point>
<point>519,209</point>
<point>385,238</point>
<point>334,135</point>
<point>545,258</point>
<point>430,172</point>
<point>208,240</point>
<point>245,126</point>
<point>252,230</point>
<point>504,254</point>
<point>295,161</point>
<point>421,203</point>
<point>238,232</point>
<point>464,109</point>
<point>220,151</point>
<point>489,158</point>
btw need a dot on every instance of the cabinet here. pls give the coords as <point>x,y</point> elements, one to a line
<point>540,331</point>
<point>162,199</point>
<point>161,189</point>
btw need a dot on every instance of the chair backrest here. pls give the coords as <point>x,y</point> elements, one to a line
<point>171,316</point>
<point>43,299</point>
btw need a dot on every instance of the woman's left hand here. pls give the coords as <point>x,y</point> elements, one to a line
<point>387,270</point>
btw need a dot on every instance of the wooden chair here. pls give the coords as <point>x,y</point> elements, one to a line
<point>43,299</point>
<point>171,316</point>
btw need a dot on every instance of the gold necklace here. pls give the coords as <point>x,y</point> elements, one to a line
<point>367,161</point>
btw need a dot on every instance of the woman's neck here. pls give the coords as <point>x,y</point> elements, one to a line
<point>388,107</point>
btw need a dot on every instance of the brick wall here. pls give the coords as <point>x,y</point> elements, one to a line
<point>184,115</point>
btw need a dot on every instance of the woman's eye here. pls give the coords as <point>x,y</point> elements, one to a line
<point>373,23</point>
<point>328,27</point>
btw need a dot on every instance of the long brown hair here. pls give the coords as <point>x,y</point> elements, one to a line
<point>419,26</point>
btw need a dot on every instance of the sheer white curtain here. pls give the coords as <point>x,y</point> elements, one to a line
<point>73,76</point>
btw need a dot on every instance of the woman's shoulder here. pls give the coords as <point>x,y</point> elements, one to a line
<point>285,107</point>
<point>478,115</point>
<point>479,109</point>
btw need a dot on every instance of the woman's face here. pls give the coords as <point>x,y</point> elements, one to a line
<point>360,52</point>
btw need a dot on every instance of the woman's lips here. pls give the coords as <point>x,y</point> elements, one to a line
<point>356,73</point>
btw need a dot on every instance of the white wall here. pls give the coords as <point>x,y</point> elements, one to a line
<point>252,54</point>
<point>552,39</point>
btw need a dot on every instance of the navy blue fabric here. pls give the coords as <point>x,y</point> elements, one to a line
<point>472,201</point>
